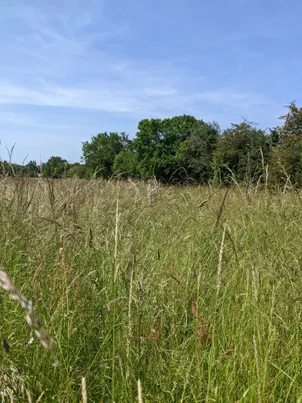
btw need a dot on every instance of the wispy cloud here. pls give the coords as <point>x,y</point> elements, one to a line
<point>103,65</point>
<point>22,120</point>
<point>133,100</point>
<point>66,48</point>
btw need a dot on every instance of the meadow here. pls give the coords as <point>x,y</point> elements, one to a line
<point>151,294</point>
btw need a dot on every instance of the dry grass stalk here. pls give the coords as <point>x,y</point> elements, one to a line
<point>234,179</point>
<point>173,275</point>
<point>266,176</point>
<point>12,386</point>
<point>139,391</point>
<point>254,283</point>
<point>40,397</point>
<point>149,193</point>
<point>257,369</point>
<point>117,216</point>
<point>201,204</point>
<point>152,188</point>
<point>29,399</point>
<point>220,256</point>
<point>137,193</point>
<point>220,210</point>
<point>31,318</point>
<point>129,330</point>
<point>7,392</point>
<point>84,391</point>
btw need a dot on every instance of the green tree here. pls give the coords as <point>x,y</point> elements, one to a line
<point>32,169</point>
<point>286,155</point>
<point>197,151</point>
<point>145,143</point>
<point>243,149</point>
<point>9,169</point>
<point>292,120</point>
<point>100,152</point>
<point>125,164</point>
<point>286,161</point>
<point>79,171</point>
<point>55,167</point>
<point>160,146</point>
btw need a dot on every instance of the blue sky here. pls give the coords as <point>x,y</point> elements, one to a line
<point>72,68</point>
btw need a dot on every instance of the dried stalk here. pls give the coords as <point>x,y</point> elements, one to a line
<point>31,317</point>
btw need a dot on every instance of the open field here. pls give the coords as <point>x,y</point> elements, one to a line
<point>201,302</point>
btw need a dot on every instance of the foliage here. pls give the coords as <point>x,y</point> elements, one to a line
<point>125,164</point>
<point>292,120</point>
<point>145,144</point>
<point>10,169</point>
<point>286,157</point>
<point>197,151</point>
<point>32,169</point>
<point>243,152</point>
<point>99,154</point>
<point>79,171</point>
<point>55,167</point>
<point>163,145</point>
<point>286,161</point>
<point>275,136</point>
<point>183,150</point>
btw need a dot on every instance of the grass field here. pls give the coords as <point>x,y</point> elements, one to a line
<point>167,295</point>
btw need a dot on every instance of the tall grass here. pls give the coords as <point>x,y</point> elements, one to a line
<point>165,299</point>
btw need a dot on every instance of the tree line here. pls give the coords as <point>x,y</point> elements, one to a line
<point>183,149</point>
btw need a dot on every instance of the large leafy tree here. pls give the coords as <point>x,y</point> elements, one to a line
<point>243,150</point>
<point>198,149</point>
<point>99,154</point>
<point>145,144</point>
<point>32,169</point>
<point>55,167</point>
<point>292,120</point>
<point>125,164</point>
<point>79,171</point>
<point>161,146</point>
<point>275,136</point>
<point>286,155</point>
<point>286,161</point>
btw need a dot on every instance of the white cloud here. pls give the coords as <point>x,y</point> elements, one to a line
<point>71,54</point>
<point>67,66</point>
<point>228,97</point>
<point>22,120</point>
<point>132,100</point>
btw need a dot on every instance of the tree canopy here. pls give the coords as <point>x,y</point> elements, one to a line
<point>100,152</point>
<point>55,167</point>
<point>242,152</point>
<point>169,149</point>
<point>184,149</point>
